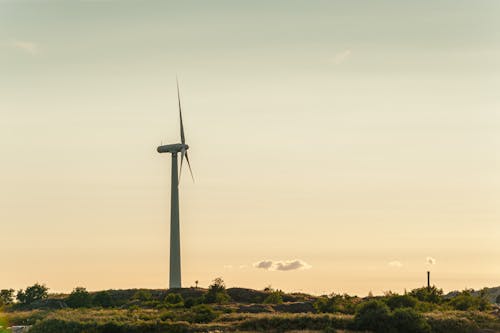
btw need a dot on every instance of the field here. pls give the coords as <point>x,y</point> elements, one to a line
<point>217,309</point>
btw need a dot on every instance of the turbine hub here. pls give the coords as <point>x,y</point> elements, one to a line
<point>173,148</point>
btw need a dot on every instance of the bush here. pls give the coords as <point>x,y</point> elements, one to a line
<point>466,301</point>
<point>34,293</point>
<point>217,292</point>
<point>275,297</point>
<point>6,296</point>
<point>142,295</point>
<point>103,299</point>
<point>401,301</point>
<point>190,302</point>
<point>408,320</point>
<point>483,303</point>
<point>203,314</point>
<point>79,298</point>
<point>425,294</point>
<point>463,302</point>
<point>174,299</point>
<point>336,303</point>
<point>373,315</point>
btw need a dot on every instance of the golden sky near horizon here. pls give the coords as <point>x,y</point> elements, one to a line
<point>359,138</point>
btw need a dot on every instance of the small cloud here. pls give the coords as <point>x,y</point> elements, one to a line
<point>430,260</point>
<point>29,47</point>
<point>290,265</point>
<point>341,57</point>
<point>264,264</point>
<point>228,266</point>
<point>282,265</point>
<point>243,266</point>
<point>395,263</point>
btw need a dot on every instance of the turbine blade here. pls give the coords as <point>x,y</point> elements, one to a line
<point>183,152</point>
<point>189,165</point>
<point>183,139</point>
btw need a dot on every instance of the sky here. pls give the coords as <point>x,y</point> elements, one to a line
<point>337,146</point>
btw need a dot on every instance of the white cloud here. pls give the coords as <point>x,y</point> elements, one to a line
<point>430,260</point>
<point>395,263</point>
<point>26,46</point>
<point>341,57</point>
<point>282,265</point>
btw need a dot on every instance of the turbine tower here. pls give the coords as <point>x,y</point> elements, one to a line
<point>175,242</point>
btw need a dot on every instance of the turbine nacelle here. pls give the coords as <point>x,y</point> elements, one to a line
<point>173,148</point>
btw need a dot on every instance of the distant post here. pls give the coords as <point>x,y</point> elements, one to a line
<point>428,280</point>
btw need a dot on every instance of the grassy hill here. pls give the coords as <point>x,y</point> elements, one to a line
<point>244,310</point>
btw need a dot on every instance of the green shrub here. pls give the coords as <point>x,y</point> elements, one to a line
<point>373,315</point>
<point>6,296</point>
<point>174,299</point>
<point>466,301</point>
<point>142,295</point>
<point>34,293</point>
<point>336,303</point>
<point>103,299</point>
<point>79,298</point>
<point>401,301</point>
<point>191,301</point>
<point>407,320</point>
<point>203,314</point>
<point>324,305</point>
<point>217,292</point>
<point>463,302</point>
<point>427,307</point>
<point>425,294</point>
<point>484,303</point>
<point>275,297</point>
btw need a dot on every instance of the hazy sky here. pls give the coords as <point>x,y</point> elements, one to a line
<point>360,137</point>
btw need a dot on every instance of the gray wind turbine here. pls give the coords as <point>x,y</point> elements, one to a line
<point>175,242</point>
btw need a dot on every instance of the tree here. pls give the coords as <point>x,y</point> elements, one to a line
<point>6,296</point>
<point>217,292</point>
<point>497,300</point>
<point>79,298</point>
<point>34,293</point>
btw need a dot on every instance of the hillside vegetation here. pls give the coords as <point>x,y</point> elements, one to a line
<point>422,310</point>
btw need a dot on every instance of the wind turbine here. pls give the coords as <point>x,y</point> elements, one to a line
<point>175,242</point>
